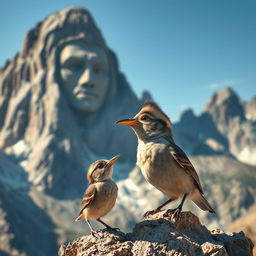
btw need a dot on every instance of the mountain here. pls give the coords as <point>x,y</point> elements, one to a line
<point>44,128</point>
<point>250,109</point>
<point>225,127</point>
<point>49,136</point>
<point>20,217</point>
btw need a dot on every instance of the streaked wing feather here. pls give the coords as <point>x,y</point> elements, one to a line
<point>88,197</point>
<point>183,161</point>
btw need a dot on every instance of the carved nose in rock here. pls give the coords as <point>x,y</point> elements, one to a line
<point>87,78</point>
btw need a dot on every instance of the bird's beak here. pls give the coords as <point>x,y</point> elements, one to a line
<point>129,122</point>
<point>113,160</point>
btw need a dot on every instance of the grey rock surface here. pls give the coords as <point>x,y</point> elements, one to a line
<point>40,128</point>
<point>226,127</point>
<point>160,235</point>
<point>47,144</point>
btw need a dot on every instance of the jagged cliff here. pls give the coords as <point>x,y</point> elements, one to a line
<point>47,144</point>
<point>161,235</point>
<point>226,127</point>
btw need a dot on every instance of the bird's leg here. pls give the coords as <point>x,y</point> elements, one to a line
<point>92,231</point>
<point>176,212</point>
<point>107,226</point>
<point>158,209</point>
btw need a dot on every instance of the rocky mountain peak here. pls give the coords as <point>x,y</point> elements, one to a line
<point>224,106</point>
<point>187,115</point>
<point>44,125</point>
<point>161,235</point>
<point>227,102</point>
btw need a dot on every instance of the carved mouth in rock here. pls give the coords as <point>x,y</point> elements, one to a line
<point>86,95</point>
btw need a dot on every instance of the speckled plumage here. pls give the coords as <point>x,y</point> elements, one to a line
<point>161,161</point>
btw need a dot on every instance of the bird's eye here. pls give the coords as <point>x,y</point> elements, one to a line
<point>144,118</point>
<point>100,165</point>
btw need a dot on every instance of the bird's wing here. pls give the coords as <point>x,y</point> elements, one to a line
<point>88,197</point>
<point>183,161</point>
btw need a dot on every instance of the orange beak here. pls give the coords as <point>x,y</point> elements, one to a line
<point>129,122</point>
<point>113,160</point>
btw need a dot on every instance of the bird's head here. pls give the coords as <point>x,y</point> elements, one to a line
<point>101,170</point>
<point>150,123</point>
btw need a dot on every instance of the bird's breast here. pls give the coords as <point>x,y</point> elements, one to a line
<point>161,170</point>
<point>149,156</point>
<point>104,200</point>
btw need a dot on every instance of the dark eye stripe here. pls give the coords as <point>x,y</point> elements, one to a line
<point>161,121</point>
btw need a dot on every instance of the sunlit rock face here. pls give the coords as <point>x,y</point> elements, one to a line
<point>226,127</point>
<point>250,108</point>
<point>160,235</point>
<point>229,115</point>
<point>60,97</point>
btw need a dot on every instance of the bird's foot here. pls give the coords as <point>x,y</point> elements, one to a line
<point>173,213</point>
<point>148,213</point>
<point>96,234</point>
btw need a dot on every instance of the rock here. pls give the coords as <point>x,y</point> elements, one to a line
<point>223,106</point>
<point>193,133</point>
<point>250,109</point>
<point>229,115</point>
<point>246,224</point>
<point>227,127</point>
<point>48,144</point>
<point>40,125</point>
<point>161,235</point>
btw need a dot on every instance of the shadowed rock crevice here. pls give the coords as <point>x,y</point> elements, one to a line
<point>160,235</point>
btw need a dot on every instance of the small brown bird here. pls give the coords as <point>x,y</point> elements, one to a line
<point>162,162</point>
<point>100,196</point>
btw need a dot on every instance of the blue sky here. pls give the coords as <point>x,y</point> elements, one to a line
<point>181,51</point>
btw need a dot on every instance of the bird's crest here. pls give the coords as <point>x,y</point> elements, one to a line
<point>156,111</point>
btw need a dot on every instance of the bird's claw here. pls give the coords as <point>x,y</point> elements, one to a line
<point>176,214</point>
<point>173,213</point>
<point>152,212</point>
<point>96,234</point>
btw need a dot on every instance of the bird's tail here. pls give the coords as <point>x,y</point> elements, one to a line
<point>201,202</point>
<point>79,217</point>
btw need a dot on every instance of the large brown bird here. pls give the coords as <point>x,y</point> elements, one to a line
<point>162,162</point>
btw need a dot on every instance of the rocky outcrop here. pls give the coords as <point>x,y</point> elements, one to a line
<point>161,235</point>
<point>48,144</point>
<point>246,223</point>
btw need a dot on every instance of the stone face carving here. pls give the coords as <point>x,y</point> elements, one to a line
<point>59,99</point>
<point>84,76</point>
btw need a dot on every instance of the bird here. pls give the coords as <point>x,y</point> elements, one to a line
<point>100,196</point>
<point>162,162</point>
